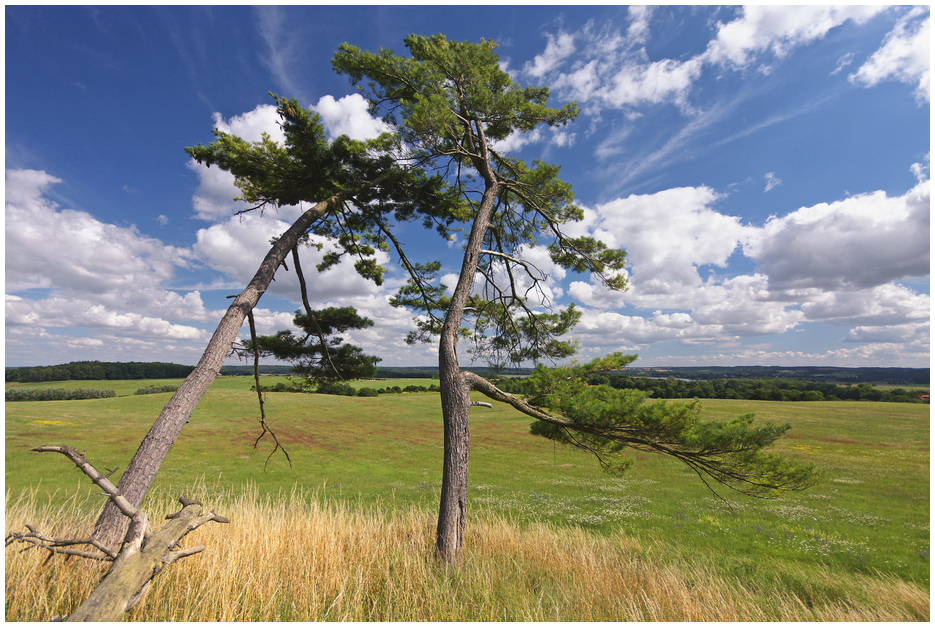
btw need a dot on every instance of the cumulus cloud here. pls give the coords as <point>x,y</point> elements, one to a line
<point>668,236</point>
<point>66,269</point>
<point>252,125</point>
<point>863,241</point>
<point>838,264</point>
<point>48,247</point>
<point>778,29</point>
<point>905,56</point>
<point>891,304</point>
<point>349,116</point>
<point>214,198</point>
<point>76,312</point>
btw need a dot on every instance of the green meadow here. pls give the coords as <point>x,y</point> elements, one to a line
<point>869,516</point>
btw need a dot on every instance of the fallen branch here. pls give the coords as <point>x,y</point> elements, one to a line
<point>144,554</point>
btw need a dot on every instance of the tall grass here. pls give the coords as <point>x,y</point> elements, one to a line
<point>302,557</point>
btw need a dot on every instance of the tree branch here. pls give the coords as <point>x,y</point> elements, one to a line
<point>717,462</point>
<point>125,507</point>
<point>259,394</point>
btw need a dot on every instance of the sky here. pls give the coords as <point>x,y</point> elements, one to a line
<point>766,168</point>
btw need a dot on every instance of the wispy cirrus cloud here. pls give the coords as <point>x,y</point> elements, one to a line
<point>283,47</point>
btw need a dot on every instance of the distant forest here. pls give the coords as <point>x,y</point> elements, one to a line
<point>773,389</point>
<point>97,371</point>
<point>827,374</point>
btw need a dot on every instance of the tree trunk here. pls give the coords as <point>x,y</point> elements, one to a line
<point>455,394</point>
<point>139,475</point>
<point>456,404</point>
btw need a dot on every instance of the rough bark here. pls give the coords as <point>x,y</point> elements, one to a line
<point>142,469</point>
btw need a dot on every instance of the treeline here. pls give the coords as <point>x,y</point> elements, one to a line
<point>747,389</point>
<point>56,394</point>
<point>820,374</point>
<point>98,371</point>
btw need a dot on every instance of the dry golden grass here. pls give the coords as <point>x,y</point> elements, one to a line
<point>291,558</point>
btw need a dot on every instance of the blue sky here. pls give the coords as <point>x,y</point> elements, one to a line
<point>766,168</point>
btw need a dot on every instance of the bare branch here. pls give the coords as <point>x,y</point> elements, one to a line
<point>100,480</point>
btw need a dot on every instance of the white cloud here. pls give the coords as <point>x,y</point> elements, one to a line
<point>880,306</point>
<point>743,306</point>
<point>214,198</point>
<point>778,29</point>
<point>252,125</point>
<point>638,30</point>
<point>835,264</point>
<point>772,181</point>
<point>349,116</point>
<point>66,249</point>
<point>558,48</point>
<point>905,56</point>
<point>668,236</point>
<point>516,141</point>
<point>76,312</point>
<point>104,279</point>
<point>237,247</point>
<point>606,69</point>
<point>636,83</point>
<point>902,334</point>
<point>863,241</point>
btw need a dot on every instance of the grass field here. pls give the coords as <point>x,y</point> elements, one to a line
<point>866,523</point>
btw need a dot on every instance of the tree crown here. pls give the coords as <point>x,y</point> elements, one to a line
<point>452,103</point>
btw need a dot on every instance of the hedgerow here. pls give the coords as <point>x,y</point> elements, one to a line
<point>57,394</point>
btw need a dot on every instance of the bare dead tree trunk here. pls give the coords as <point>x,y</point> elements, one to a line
<point>142,469</point>
<point>143,556</point>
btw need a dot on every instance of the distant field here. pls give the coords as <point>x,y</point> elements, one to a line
<point>869,516</point>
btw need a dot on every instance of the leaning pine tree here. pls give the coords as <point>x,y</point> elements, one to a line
<point>334,178</point>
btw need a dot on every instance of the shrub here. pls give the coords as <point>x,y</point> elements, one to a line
<point>57,394</point>
<point>340,389</point>
<point>367,392</point>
